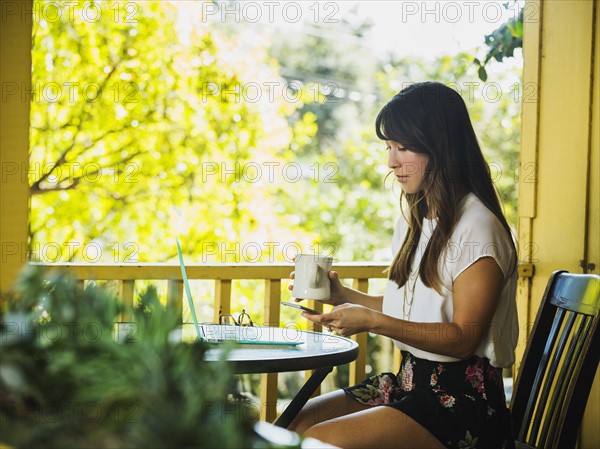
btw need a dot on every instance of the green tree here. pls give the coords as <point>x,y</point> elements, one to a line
<point>140,130</point>
<point>346,186</point>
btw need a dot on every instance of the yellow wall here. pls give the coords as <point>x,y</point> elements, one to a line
<point>559,209</point>
<point>15,82</point>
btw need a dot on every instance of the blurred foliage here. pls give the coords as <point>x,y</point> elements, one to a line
<point>344,156</point>
<point>69,379</point>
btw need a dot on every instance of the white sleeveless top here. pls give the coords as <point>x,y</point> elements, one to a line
<point>478,233</point>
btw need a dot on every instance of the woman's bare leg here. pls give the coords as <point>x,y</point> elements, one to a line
<point>376,427</point>
<point>325,408</point>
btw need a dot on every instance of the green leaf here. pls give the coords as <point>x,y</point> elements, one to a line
<point>482,73</point>
<point>507,37</point>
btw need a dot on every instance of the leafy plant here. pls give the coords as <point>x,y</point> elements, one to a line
<point>501,43</point>
<point>69,380</point>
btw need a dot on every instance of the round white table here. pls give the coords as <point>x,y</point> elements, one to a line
<point>307,351</point>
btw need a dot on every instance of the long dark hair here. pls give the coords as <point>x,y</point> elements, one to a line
<point>432,118</point>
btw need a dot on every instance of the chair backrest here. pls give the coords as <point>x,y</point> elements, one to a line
<point>559,363</point>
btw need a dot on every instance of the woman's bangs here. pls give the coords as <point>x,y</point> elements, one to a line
<point>380,123</point>
<point>388,126</point>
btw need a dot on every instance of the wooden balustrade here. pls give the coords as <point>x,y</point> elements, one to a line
<point>223,275</point>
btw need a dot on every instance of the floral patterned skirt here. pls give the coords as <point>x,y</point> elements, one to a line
<point>461,403</point>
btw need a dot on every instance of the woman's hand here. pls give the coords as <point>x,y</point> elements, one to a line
<point>345,319</point>
<point>337,289</point>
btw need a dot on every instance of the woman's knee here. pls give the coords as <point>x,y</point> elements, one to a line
<point>323,408</point>
<point>308,416</point>
<point>301,422</point>
<point>312,413</point>
<point>323,431</point>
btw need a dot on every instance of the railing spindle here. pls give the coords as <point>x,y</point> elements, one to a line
<point>126,294</point>
<point>268,397</point>
<point>268,381</point>
<point>222,297</point>
<point>397,359</point>
<point>358,367</point>
<point>175,296</point>
<point>272,306</point>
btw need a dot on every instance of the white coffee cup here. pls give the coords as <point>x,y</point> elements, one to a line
<point>311,279</point>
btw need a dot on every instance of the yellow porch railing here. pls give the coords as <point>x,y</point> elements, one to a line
<point>223,274</point>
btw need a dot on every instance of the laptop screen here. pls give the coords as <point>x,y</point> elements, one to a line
<point>214,333</point>
<point>188,293</point>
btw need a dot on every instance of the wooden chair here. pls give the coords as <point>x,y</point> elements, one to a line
<point>559,363</point>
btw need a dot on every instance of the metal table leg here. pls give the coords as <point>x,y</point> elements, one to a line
<point>303,396</point>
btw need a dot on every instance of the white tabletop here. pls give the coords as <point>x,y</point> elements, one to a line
<point>317,350</point>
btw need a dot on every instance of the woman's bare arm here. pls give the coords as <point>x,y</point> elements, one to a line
<point>476,292</point>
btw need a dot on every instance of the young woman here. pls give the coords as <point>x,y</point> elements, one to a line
<point>449,304</point>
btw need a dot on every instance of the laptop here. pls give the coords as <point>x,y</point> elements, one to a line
<point>244,335</point>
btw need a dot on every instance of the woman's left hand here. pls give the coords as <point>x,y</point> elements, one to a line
<point>345,319</point>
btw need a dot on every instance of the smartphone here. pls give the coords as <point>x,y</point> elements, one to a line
<point>298,306</point>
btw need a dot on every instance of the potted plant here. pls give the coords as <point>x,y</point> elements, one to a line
<point>67,382</point>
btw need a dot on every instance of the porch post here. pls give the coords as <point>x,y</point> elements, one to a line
<point>559,198</point>
<point>15,83</point>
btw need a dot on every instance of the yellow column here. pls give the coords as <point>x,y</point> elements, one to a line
<point>15,83</point>
<point>528,165</point>
<point>590,432</point>
<point>559,201</point>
